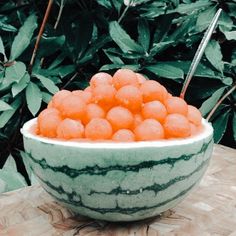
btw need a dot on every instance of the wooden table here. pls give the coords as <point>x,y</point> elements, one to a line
<point>209,210</point>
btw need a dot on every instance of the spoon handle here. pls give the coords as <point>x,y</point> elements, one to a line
<point>200,51</point>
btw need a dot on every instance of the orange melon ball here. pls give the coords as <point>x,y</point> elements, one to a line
<point>48,121</point>
<point>176,105</point>
<point>123,135</point>
<point>194,115</point>
<point>137,120</point>
<point>152,90</point>
<point>154,110</point>
<point>73,107</point>
<point>149,129</point>
<point>50,105</point>
<point>193,129</point>
<point>120,118</point>
<point>93,111</point>
<point>177,126</point>
<point>98,128</point>
<point>129,97</point>
<point>101,78</point>
<point>59,97</point>
<point>88,89</point>
<point>84,95</point>
<point>141,78</point>
<point>104,95</point>
<point>70,129</point>
<point>124,77</point>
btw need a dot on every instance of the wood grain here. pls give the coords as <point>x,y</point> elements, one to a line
<point>209,210</point>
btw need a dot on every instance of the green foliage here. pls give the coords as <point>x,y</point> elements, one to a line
<point>155,38</point>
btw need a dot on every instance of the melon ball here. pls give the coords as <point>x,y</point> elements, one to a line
<point>152,90</point>
<point>123,135</point>
<point>141,78</point>
<point>176,105</point>
<point>98,128</point>
<point>59,97</point>
<point>48,121</point>
<point>154,110</point>
<point>101,78</point>
<point>93,111</point>
<point>124,77</point>
<point>84,95</point>
<point>72,107</point>
<point>129,97</point>
<point>194,115</point>
<point>120,118</point>
<point>149,129</point>
<point>104,95</point>
<point>70,129</point>
<point>177,126</point>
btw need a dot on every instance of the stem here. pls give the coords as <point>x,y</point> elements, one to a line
<point>124,12</point>
<point>59,14</point>
<point>40,35</point>
<point>220,101</point>
<point>70,80</point>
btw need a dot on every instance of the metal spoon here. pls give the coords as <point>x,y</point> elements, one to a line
<point>200,51</point>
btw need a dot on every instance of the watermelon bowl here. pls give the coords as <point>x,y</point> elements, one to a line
<point>119,181</point>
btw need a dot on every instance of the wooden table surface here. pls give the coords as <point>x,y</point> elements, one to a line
<point>209,210</point>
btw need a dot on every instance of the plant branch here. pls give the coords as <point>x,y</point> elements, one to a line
<point>220,101</point>
<point>70,80</point>
<point>59,14</point>
<point>124,12</point>
<point>40,35</point>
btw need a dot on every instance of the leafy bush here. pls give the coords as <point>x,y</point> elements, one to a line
<point>156,38</point>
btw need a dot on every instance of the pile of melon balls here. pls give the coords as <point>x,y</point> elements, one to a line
<point>125,107</point>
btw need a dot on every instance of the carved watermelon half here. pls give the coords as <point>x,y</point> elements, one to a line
<point>119,181</point>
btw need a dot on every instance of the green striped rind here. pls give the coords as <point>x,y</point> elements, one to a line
<point>119,185</point>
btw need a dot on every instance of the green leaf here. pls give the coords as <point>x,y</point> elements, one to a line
<point>2,50</point>
<point>47,97</point>
<point>33,98</point>
<point>207,106</point>
<point>10,164</point>
<point>26,158</point>
<point>220,124</point>
<point>15,72</point>
<point>118,66</point>
<point>84,32</point>
<point>6,115</point>
<point>214,55</point>
<point>162,69</point>
<point>204,18</point>
<point>234,125</point>
<point>105,3</point>
<point>225,22</point>
<point>23,38</point>
<point>230,35</point>
<point>47,83</point>
<point>113,57</point>
<point>159,47</point>
<point>188,8</point>
<point>123,40</point>
<point>179,34</point>
<point>144,34</point>
<point>7,27</point>
<point>49,45</point>
<point>21,85</point>
<point>61,71</point>
<point>4,106</point>
<point>12,179</point>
